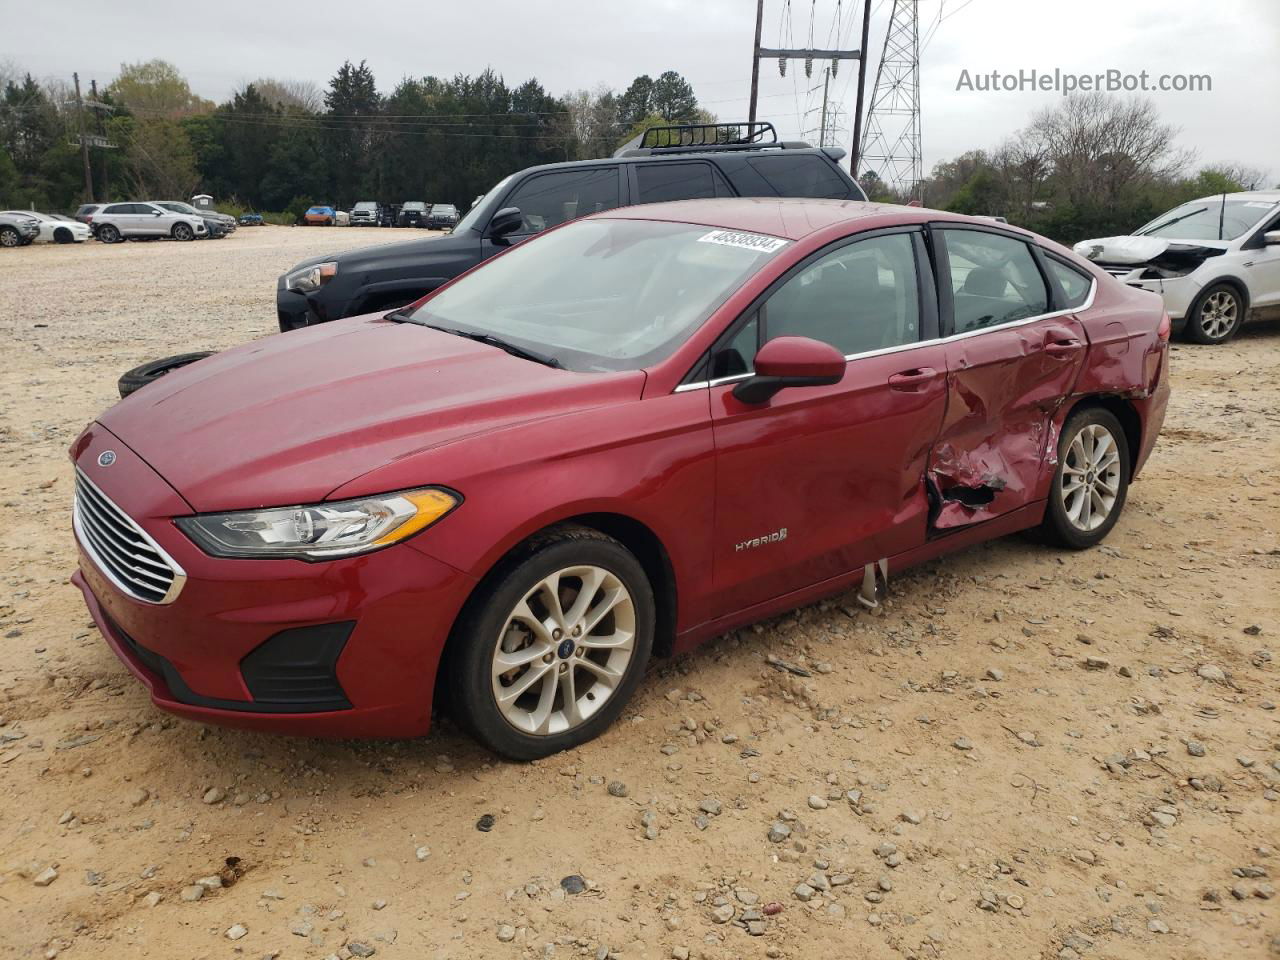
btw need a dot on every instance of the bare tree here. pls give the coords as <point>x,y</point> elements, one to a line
<point>592,121</point>
<point>1102,147</point>
<point>1249,178</point>
<point>298,94</point>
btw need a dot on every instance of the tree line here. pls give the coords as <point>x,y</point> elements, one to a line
<point>1094,165</point>
<point>281,145</point>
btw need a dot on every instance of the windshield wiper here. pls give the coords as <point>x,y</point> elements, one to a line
<point>401,316</point>
<point>1170,223</point>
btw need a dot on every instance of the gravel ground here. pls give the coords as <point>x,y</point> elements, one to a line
<point>1047,754</point>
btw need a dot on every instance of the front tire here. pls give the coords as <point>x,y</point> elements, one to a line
<point>1216,316</point>
<point>553,645</point>
<point>183,231</point>
<point>1091,483</point>
<point>9,237</point>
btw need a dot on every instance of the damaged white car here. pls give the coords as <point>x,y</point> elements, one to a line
<point>1216,262</point>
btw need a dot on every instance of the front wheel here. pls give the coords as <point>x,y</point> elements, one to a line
<point>552,648</point>
<point>9,237</point>
<point>183,231</point>
<point>1091,482</point>
<point>1216,315</point>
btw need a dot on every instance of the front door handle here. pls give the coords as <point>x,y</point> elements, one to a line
<point>908,381</point>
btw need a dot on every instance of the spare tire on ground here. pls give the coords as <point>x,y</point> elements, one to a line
<point>140,376</point>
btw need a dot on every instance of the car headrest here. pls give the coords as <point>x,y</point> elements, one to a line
<point>985,282</point>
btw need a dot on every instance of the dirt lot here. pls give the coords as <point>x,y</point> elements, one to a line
<point>1025,753</point>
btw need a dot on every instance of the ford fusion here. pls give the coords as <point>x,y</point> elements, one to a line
<point>609,443</point>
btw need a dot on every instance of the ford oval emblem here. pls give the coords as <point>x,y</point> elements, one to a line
<point>106,458</point>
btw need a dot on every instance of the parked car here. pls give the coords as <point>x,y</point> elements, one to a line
<point>208,214</point>
<point>53,229</point>
<point>142,221</point>
<point>320,215</point>
<point>365,214</point>
<point>635,432</point>
<point>443,216</point>
<point>17,231</point>
<point>251,220</point>
<point>413,213</point>
<point>342,218</point>
<point>1216,262</point>
<point>525,203</point>
<point>84,213</point>
<point>389,215</point>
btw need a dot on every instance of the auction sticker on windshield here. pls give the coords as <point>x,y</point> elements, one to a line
<point>747,241</point>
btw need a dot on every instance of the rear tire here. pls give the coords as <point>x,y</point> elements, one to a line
<point>109,233</point>
<point>574,663</point>
<point>1216,316</point>
<point>1091,483</point>
<point>183,232</point>
<point>146,373</point>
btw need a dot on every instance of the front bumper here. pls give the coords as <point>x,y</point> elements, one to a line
<point>295,311</point>
<point>341,648</point>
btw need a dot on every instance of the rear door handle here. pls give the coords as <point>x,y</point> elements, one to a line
<point>909,381</point>
<point>1058,343</point>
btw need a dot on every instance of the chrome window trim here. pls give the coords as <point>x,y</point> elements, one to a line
<point>902,348</point>
<point>179,575</point>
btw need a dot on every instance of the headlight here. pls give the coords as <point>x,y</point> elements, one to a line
<point>322,530</point>
<point>311,278</point>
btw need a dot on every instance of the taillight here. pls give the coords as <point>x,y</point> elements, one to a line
<point>1165,330</point>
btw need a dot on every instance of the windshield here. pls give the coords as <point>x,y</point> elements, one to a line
<point>180,207</point>
<point>414,205</point>
<point>445,209</point>
<point>469,222</point>
<point>603,294</point>
<point>1199,220</point>
<point>365,205</point>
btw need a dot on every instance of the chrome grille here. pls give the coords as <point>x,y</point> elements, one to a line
<point>121,549</point>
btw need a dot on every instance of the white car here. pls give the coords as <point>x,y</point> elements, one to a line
<point>1216,262</point>
<point>120,221</point>
<point>53,229</point>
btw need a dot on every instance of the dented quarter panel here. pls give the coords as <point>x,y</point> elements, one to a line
<point>1004,390</point>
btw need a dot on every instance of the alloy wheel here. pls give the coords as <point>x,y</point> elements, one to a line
<point>9,238</point>
<point>182,232</point>
<point>1090,477</point>
<point>1218,315</point>
<point>563,650</point>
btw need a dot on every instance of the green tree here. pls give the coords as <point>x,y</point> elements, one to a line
<point>156,88</point>
<point>353,103</point>
<point>672,98</point>
<point>636,102</point>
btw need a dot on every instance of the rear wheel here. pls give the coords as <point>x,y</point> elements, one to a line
<point>552,648</point>
<point>183,231</point>
<point>1091,482</point>
<point>109,233</point>
<point>1216,315</point>
<point>9,237</point>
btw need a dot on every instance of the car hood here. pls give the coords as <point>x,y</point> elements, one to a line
<point>1136,250</point>
<point>383,255</point>
<point>290,418</point>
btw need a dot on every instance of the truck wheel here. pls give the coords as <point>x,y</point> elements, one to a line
<point>146,373</point>
<point>1216,315</point>
<point>553,645</point>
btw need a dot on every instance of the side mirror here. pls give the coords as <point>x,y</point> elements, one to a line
<point>505,222</point>
<point>155,213</point>
<point>1271,237</point>
<point>791,362</point>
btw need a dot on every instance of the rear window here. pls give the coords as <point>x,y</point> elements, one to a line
<point>674,181</point>
<point>806,175</point>
<point>1074,284</point>
<point>118,208</point>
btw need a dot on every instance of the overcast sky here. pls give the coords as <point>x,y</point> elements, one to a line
<point>569,44</point>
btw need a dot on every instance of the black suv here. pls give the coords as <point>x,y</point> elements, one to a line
<point>687,162</point>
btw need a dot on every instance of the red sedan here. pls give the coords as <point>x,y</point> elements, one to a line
<point>632,433</point>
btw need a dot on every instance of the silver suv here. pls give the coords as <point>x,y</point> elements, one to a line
<point>118,221</point>
<point>17,231</point>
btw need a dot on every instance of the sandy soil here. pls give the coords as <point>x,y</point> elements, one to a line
<point>1004,761</point>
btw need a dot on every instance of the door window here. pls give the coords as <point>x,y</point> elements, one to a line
<point>549,199</point>
<point>861,297</point>
<point>674,181</point>
<point>994,280</point>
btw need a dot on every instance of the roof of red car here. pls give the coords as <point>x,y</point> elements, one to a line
<point>786,217</point>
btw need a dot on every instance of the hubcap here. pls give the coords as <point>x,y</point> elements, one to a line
<point>563,650</point>
<point>1090,477</point>
<point>1218,315</point>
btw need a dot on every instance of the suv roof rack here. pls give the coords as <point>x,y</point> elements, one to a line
<point>704,137</point>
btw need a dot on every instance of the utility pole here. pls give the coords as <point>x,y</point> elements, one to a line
<point>84,143</point>
<point>104,183</point>
<point>822,127</point>
<point>891,141</point>
<point>855,152</point>
<point>755,67</point>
